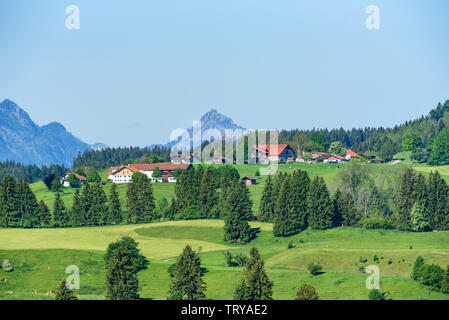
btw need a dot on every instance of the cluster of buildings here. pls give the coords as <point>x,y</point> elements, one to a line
<point>123,174</point>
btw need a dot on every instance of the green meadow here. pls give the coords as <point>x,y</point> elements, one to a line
<point>40,256</point>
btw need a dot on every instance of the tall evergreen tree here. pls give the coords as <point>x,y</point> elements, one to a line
<point>283,227</point>
<point>188,283</point>
<point>97,212</point>
<point>77,213</point>
<point>256,284</point>
<point>267,202</point>
<point>208,197</point>
<point>44,215</point>
<point>437,203</point>
<point>115,209</point>
<point>9,203</point>
<point>61,217</point>
<point>417,268</point>
<point>237,210</point>
<point>64,293</point>
<point>226,181</point>
<point>121,277</point>
<point>146,212</point>
<point>132,202</point>
<point>445,281</point>
<point>346,212</point>
<point>320,206</point>
<point>28,206</point>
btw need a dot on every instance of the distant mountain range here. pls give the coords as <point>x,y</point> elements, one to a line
<point>210,120</point>
<point>22,140</point>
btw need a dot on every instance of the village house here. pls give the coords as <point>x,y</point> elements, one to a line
<point>249,180</point>
<point>64,179</point>
<point>351,154</point>
<point>124,174</point>
<point>274,152</point>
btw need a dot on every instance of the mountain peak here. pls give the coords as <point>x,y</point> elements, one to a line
<point>215,120</point>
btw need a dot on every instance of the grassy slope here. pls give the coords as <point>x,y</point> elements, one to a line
<point>338,250</point>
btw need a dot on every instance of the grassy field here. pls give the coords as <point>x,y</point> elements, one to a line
<point>40,257</point>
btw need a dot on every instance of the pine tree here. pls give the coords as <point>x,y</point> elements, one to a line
<point>188,283</point>
<point>121,278</point>
<point>417,268</point>
<point>282,223</point>
<point>60,216</point>
<point>320,206</point>
<point>146,201</point>
<point>77,212</point>
<point>300,183</point>
<point>97,212</point>
<point>267,202</point>
<point>306,292</point>
<point>130,246</point>
<point>418,219</point>
<point>28,206</point>
<point>255,285</point>
<point>237,211</point>
<point>44,215</point>
<point>115,209</point>
<point>346,212</point>
<point>437,204</point>
<point>226,181</point>
<point>445,281</point>
<point>208,197</point>
<point>132,202</point>
<point>9,205</point>
<point>64,293</point>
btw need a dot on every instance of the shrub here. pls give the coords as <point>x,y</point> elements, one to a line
<point>432,274</point>
<point>240,259</point>
<point>171,270</point>
<point>376,223</point>
<point>290,245</point>
<point>376,259</point>
<point>315,268</point>
<point>375,294</point>
<point>363,259</point>
<point>306,292</point>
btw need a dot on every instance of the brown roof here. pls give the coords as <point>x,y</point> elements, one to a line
<point>272,149</point>
<point>369,155</point>
<point>351,153</point>
<point>112,169</point>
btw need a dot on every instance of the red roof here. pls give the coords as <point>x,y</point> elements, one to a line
<point>271,149</point>
<point>248,178</point>
<point>351,153</point>
<point>369,155</point>
<point>113,169</point>
<point>82,178</point>
<point>161,166</point>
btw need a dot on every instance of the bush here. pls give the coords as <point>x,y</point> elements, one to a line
<point>375,294</point>
<point>376,223</point>
<point>363,259</point>
<point>431,275</point>
<point>171,271</point>
<point>290,245</point>
<point>315,268</point>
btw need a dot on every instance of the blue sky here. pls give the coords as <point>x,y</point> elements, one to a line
<point>135,70</point>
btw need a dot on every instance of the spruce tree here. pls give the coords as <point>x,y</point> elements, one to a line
<point>437,204</point>
<point>146,203</point>
<point>226,181</point>
<point>44,215</point>
<point>267,202</point>
<point>237,210</point>
<point>208,197</point>
<point>28,206</point>
<point>256,284</point>
<point>346,212</point>
<point>300,183</point>
<point>121,277</point>
<point>188,283</point>
<point>417,268</point>
<point>445,281</point>
<point>282,224</point>
<point>60,216</point>
<point>64,293</point>
<point>130,246</point>
<point>418,221</point>
<point>132,202</point>
<point>306,292</point>
<point>9,203</point>
<point>77,212</point>
<point>320,206</point>
<point>114,208</point>
<point>97,212</point>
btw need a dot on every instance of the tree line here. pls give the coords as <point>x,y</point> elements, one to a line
<point>30,172</point>
<point>100,159</point>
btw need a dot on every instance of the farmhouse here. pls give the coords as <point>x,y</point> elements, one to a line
<point>65,179</point>
<point>124,174</point>
<point>351,154</point>
<point>249,180</point>
<point>274,152</point>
